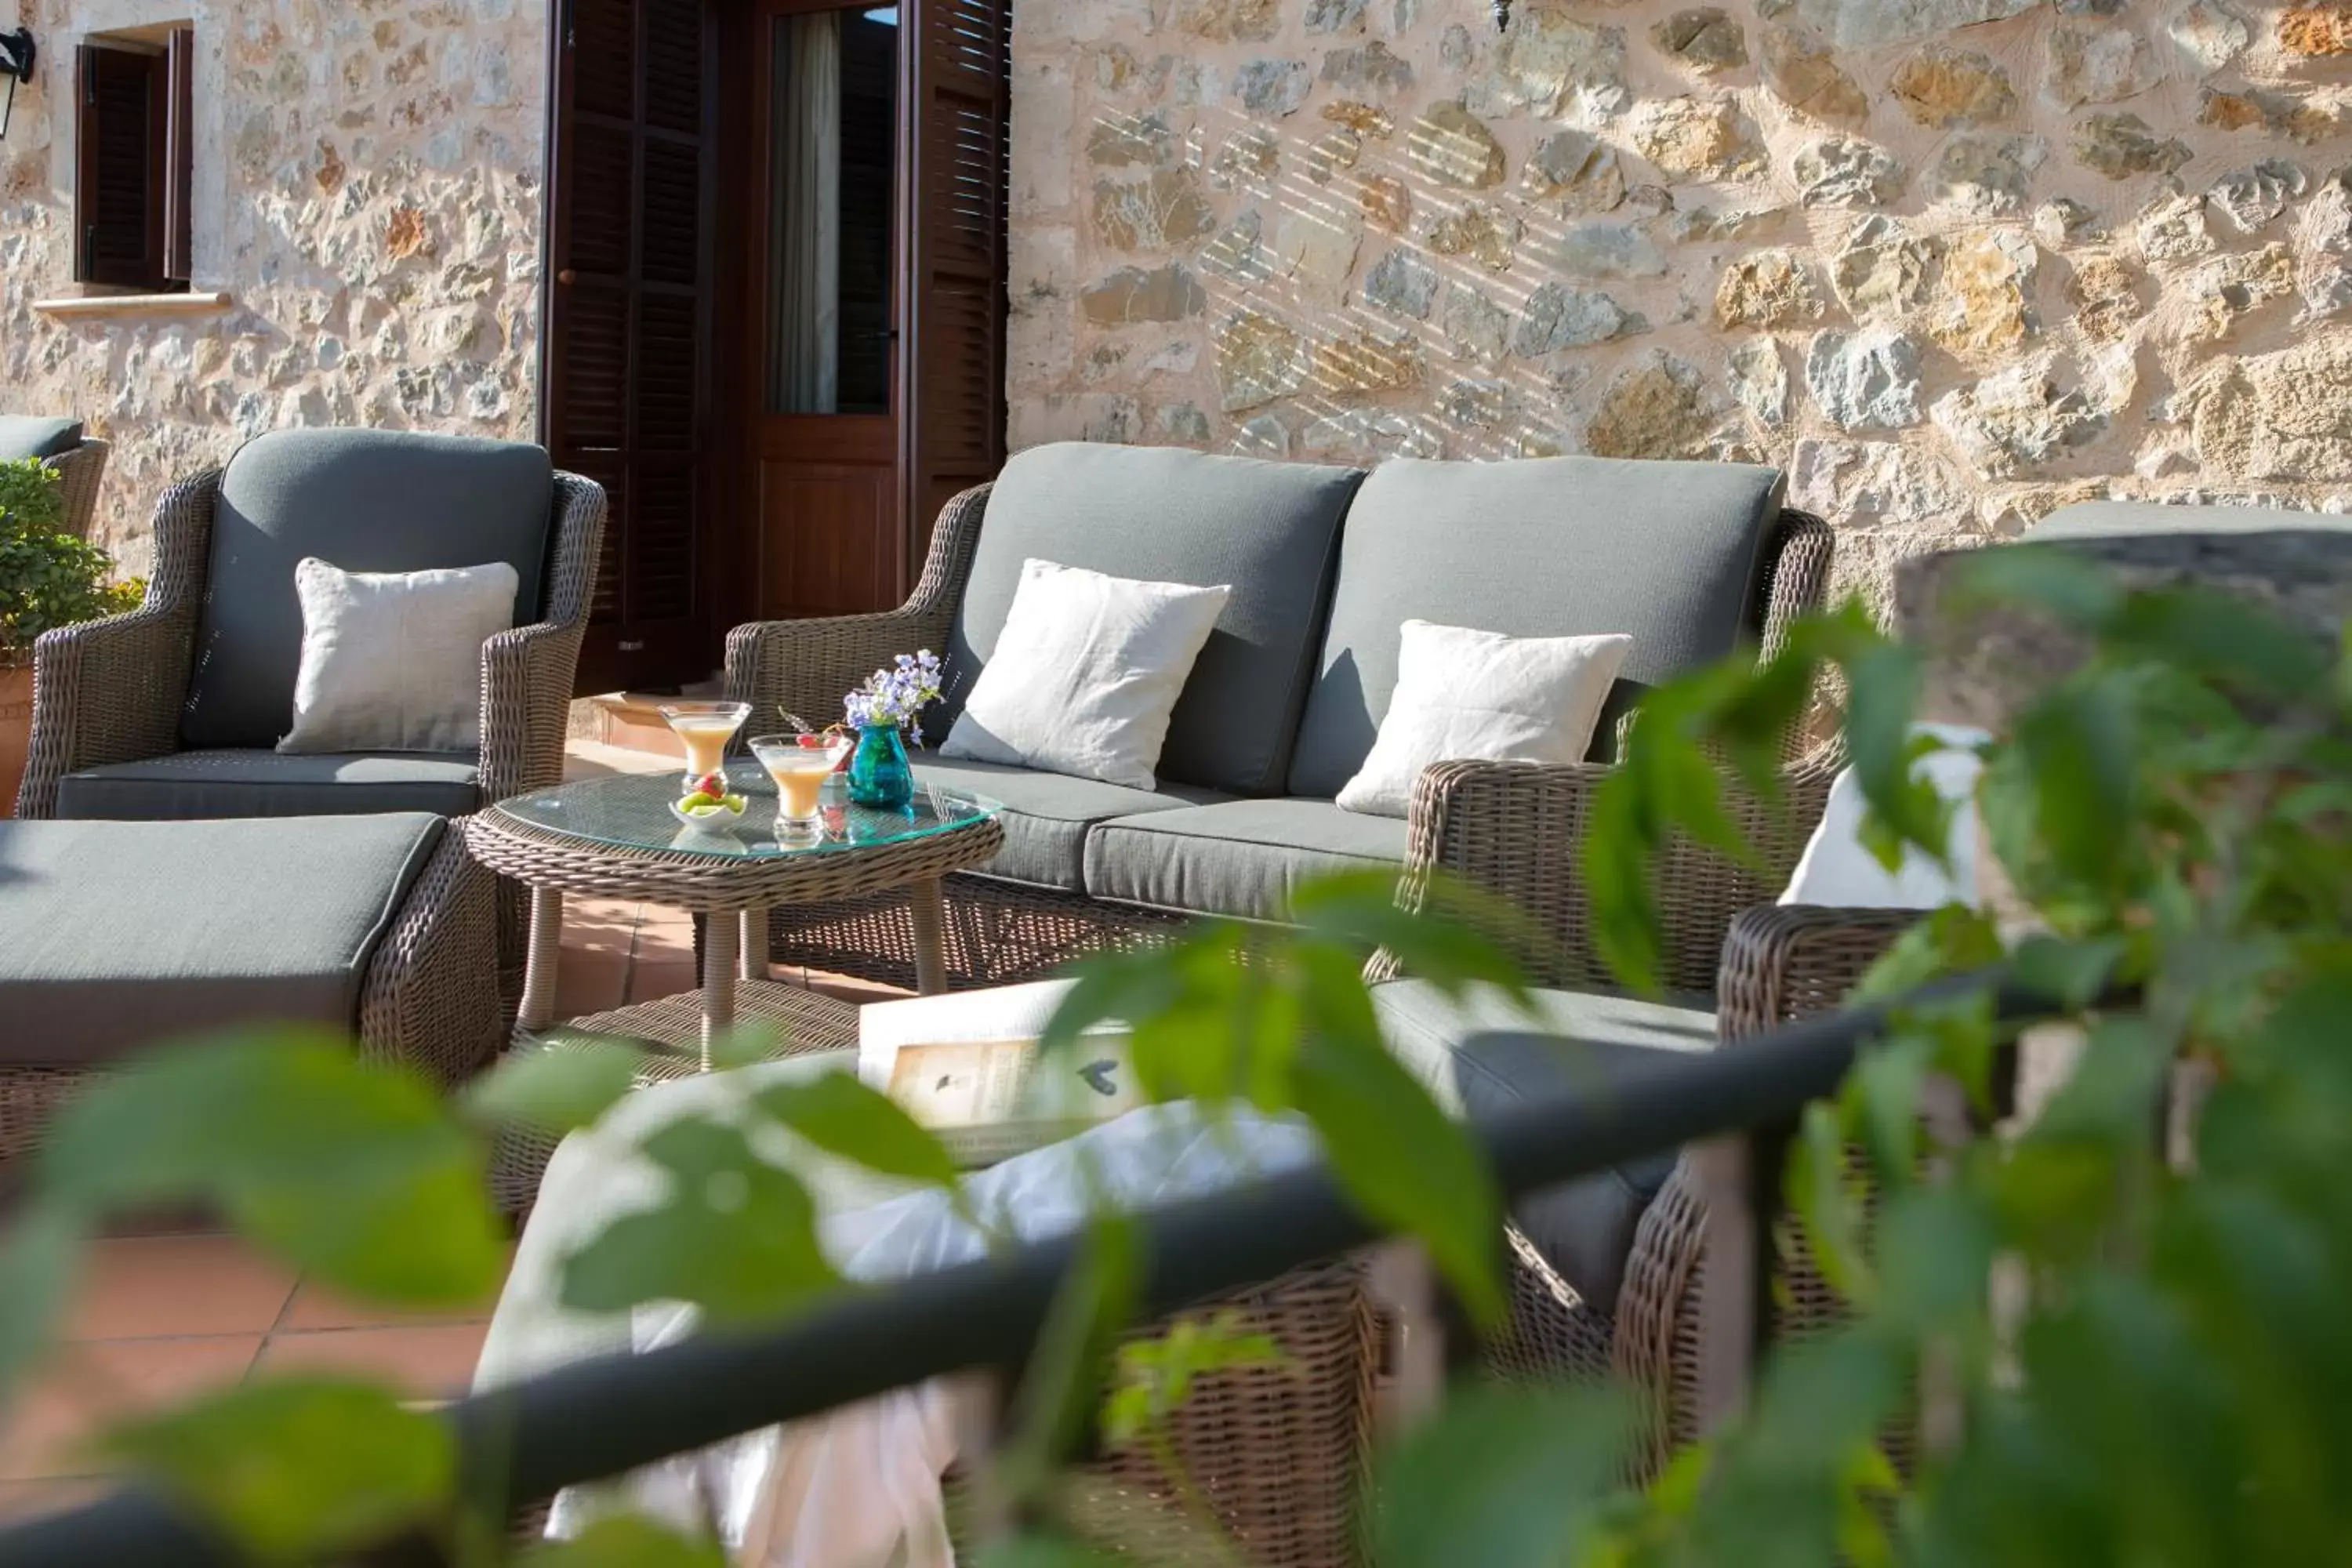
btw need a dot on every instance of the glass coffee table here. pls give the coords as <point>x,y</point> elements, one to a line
<point>615,838</point>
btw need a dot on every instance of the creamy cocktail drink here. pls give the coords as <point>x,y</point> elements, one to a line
<point>800,764</point>
<point>705,728</point>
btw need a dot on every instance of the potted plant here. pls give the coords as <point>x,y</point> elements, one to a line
<point>885,712</point>
<point>49,578</point>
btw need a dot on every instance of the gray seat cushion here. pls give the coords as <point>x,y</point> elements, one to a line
<point>1583,1229</point>
<point>190,784</point>
<point>2105,518</point>
<point>118,935</point>
<point>1671,553</point>
<point>36,436</point>
<point>366,500</point>
<point>1270,530</point>
<point>1048,816</point>
<point>1244,858</point>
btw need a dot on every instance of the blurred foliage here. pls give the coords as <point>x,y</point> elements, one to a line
<point>47,577</point>
<point>2133,1358</point>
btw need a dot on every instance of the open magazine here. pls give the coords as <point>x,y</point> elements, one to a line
<point>970,1068</point>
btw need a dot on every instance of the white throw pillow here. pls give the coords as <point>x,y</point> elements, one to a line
<point>1472,696</point>
<point>1837,871</point>
<point>1086,673</point>
<point>392,661</point>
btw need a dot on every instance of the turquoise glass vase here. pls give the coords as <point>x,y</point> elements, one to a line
<point>879,774</point>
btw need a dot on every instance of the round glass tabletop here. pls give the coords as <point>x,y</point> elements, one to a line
<point>631,811</point>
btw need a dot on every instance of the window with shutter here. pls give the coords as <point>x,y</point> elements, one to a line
<point>134,160</point>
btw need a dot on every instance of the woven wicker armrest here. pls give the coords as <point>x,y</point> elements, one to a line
<point>806,666</point>
<point>1518,830</point>
<point>527,672</point>
<point>78,472</point>
<point>1779,964</point>
<point>112,690</point>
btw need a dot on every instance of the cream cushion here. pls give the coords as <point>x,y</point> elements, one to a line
<point>1482,697</point>
<point>1086,673</point>
<point>1837,871</point>
<point>392,661</point>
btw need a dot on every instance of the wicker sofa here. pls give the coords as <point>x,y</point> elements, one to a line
<point>1693,559</point>
<point>63,448</point>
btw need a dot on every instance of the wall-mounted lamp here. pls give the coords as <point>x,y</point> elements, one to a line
<point>16,53</point>
<point>1502,15</point>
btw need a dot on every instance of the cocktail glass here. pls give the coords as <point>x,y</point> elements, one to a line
<point>705,728</point>
<point>800,764</point>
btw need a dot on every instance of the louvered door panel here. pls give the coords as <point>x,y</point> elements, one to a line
<point>954,348</point>
<point>628,321</point>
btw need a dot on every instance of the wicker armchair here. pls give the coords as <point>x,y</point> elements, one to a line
<point>999,932</point>
<point>112,698</point>
<point>78,472</point>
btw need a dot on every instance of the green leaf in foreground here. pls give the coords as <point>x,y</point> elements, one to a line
<point>1499,1478</point>
<point>736,1236</point>
<point>625,1541</point>
<point>1369,1110</point>
<point>353,1170</point>
<point>838,1113</point>
<point>298,1470</point>
<point>565,1084</point>
<point>40,1257</point>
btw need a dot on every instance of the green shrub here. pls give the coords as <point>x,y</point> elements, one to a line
<point>47,577</point>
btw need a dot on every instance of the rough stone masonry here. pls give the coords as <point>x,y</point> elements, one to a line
<point>1952,263</point>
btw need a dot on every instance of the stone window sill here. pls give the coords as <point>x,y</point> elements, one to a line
<point>203,302</point>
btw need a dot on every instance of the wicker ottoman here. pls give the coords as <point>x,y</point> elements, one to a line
<point>117,937</point>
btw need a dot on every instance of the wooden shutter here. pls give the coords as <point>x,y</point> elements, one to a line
<point>627,355</point>
<point>119,159</point>
<point>179,154</point>
<point>951,369</point>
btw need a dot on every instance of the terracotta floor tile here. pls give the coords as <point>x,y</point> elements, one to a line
<point>651,982</point>
<point>422,1361</point>
<point>657,943</point>
<point>842,987</point>
<point>317,1307</point>
<point>89,1385</point>
<point>590,980</point>
<point>150,1285</point>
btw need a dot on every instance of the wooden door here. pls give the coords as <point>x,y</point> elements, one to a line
<point>841,492</point>
<point>821,380</point>
<point>626,357</point>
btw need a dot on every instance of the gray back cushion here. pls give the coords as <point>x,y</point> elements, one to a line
<point>1671,553</point>
<point>2106,519</point>
<point>367,500</point>
<point>1162,515</point>
<point>36,436</point>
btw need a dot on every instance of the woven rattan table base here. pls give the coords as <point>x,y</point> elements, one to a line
<point>804,1022</point>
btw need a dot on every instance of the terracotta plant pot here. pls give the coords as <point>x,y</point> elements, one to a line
<point>15,730</point>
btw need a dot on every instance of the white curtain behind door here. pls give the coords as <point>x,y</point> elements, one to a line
<point>805,314</point>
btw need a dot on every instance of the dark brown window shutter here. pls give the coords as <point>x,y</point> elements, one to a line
<point>952,365</point>
<point>121,119</point>
<point>179,154</point>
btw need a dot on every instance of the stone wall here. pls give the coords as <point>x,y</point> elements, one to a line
<point>367,191</point>
<point>1950,262</point>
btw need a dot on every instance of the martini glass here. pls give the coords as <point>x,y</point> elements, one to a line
<point>799,772</point>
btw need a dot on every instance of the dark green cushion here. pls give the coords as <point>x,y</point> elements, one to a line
<point>365,500</point>
<point>1243,858</point>
<point>36,436</point>
<point>1583,1229</point>
<point>1048,816</point>
<point>117,935</point>
<point>1671,553</point>
<point>1269,529</point>
<point>2106,519</point>
<point>190,784</point>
